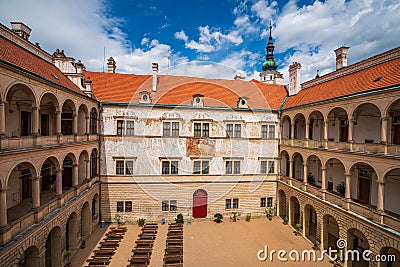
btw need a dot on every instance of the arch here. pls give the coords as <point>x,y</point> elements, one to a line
<point>364,183</point>
<point>299,122</point>
<point>200,197</point>
<point>30,258</point>
<point>53,254</point>
<point>93,163</point>
<point>314,172</point>
<point>85,221</point>
<point>330,232</point>
<point>286,126</point>
<point>338,125</point>
<point>386,257</point>
<point>356,240</point>
<point>48,171</point>
<point>49,107</point>
<point>95,206</point>
<point>282,205</point>
<point>294,210</point>
<point>335,175</point>
<point>68,112</point>
<point>298,161</point>
<point>392,187</point>
<point>316,126</point>
<point>93,121</point>
<point>72,232</point>
<point>68,171</point>
<point>310,223</point>
<point>366,119</point>
<point>20,104</point>
<point>392,114</point>
<point>82,115</point>
<point>285,163</point>
<point>82,166</point>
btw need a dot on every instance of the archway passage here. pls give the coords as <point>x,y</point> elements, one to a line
<point>53,248</point>
<point>200,204</point>
<point>310,223</point>
<point>31,257</point>
<point>294,211</point>
<point>330,232</point>
<point>356,240</point>
<point>282,205</point>
<point>72,232</point>
<point>390,257</point>
<point>85,221</point>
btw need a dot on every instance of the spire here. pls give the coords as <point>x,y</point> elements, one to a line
<point>270,64</point>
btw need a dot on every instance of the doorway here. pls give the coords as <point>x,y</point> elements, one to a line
<point>25,123</point>
<point>200,204</point>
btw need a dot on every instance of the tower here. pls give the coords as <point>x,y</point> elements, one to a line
<point>269,73</point>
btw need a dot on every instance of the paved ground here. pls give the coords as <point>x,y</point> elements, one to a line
<point>207,243</point>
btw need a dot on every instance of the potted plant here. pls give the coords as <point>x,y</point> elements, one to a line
<point>310,178</point>
<point>316,245</point>
<point>270,213</point>
<point>179,218</point>
<point>285,220</point>
<point>298,227</point>
<point>67,255</point>
<point>83,244</point>
<point>235,216</point>
<point>118,218</point>
<point>218,217</point>
<point>248,217</point>
<point>341,188</point>
<point>141,222</point>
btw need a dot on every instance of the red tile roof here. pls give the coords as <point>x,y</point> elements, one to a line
<point>21,58</point>
<point>357,82</point>
<point>179,90</point>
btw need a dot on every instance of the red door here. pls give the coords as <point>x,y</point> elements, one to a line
<point>200,204</point>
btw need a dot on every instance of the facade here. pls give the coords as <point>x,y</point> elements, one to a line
<point>76,145</point>
<point>49,185</point>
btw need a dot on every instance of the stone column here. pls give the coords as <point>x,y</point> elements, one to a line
<point>280,133</point>
<point>384,127</point>
<point>324,182</point>
<point>87,125</point>
<point>35,192</point>
<point>326,127</point>
<point>305,173</point>
<point>292,133</point>
<point>351,126</point>
<point>307,133</point>
<point>88,169</point>
<point>75,124</point>
<point>278,166</point>
<point>290,171</point>
<point>35,121</point>
<point>59,182</point>
<point>2,118</point>
<point>58,122</point>
<point>381,196</point>
<point>75,175</point>
<point>3,207</point>
<point>347,194</point>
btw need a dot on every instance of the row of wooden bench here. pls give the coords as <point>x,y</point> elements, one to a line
<point>143,246</point>
<point>102,256</point>
<point>173,256</point>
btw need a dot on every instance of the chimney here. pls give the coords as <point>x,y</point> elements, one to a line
<point>155,72</point>
<point>294,78</point>
<point>341,57</point>
<point>79,67</point>
<point>239,77</point>
<point>88,85</point>
<point>111,65</point>
<point>21,29</point>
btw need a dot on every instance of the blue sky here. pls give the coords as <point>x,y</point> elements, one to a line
<point>232,33</point>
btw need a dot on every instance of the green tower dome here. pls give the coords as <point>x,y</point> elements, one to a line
<point>269,65</point>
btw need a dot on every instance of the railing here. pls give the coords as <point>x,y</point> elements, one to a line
<point>9,143</point>
<point>393,149</point>
<point>338,145</point>
<point>316,143</point>
<point>372,148</point>
<point>368,212</point>
<point>17,226</point>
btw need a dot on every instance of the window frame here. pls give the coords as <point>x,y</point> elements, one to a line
<point>203,131</point>
<point>164,205</point>
<point>263,202</point>
<point>234,130</point>
<point>128,208</point>
<point>122,165</point>
<point>173,205</point>
<point>235,203</point>
<point>228,203</point>
<point>173,166</point>
<point>267,166</point>
<point>122,127</point>
<point>129,126</point>
<point>201,167</point>
<point>120,206</point>
<point>270,202</point>
<point>232,165</point>
<point>172,130</point>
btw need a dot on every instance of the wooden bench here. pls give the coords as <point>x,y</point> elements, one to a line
<point>173,265</point>
<point>98,261</point>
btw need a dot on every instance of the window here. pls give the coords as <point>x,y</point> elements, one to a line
<point>120,127</point>
<point>263,202</point>
<point>201,129</point>
<point>232,167</point>
<point>93,163</point>
<point>201,167</point>
<point>129,167</point>
<point>268,131</point>
<point>125,128</point>
<point>267,166</point>
<point>130,128</point>
<point>233,130</point>
<point>228,204</point>
<point>169,167</point>
<point>93,121</point>
<point>120,206</point>
<point>124,167</point>
<point>128,206</point>
<point>164,205</point>
<point>235,203</point>
<point>269,202</point>
<point>172,205</point>
<point>171,129</point>
<point>119,170</point>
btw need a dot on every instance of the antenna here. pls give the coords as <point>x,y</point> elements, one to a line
<point>104,57</point>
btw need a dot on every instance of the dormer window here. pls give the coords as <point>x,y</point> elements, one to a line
<point>197,100</point>
<point>145,97</point>
<point>242,102</point>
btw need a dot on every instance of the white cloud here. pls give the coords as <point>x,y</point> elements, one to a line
<point>264,9</point>
<point>145,41</point>
<point>200,47</point>
<point>181,36</point>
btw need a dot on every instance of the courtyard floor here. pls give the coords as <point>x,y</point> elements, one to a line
<point>207,243</point>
